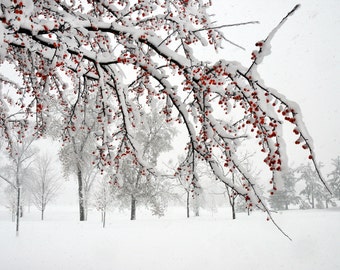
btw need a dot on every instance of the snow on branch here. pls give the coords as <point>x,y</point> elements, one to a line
<point>96,68</point>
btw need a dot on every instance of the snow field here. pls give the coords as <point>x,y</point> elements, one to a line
<point>212,241</point>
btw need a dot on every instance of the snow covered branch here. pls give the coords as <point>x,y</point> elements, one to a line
<point>96,68</point>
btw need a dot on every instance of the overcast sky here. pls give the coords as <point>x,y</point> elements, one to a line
<point>304,64</point>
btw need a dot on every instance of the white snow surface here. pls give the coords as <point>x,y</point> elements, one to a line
<point>212,241</point>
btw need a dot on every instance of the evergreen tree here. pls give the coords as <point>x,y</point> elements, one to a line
<point>334,177</point>
<point>314,193</point>
<point>282,198</point>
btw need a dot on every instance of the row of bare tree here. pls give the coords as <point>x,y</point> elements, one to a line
<point>33,178</point>
<point>28,175</point>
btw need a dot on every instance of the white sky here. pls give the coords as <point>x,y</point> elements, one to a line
<point>304,64</point>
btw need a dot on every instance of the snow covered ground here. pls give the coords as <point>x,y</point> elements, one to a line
<point>212,241</point>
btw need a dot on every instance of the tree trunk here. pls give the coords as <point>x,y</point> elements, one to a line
<point>104,217</point>
<point>18,210</point>
<point>286,205</point>
<point>42,201</point>
<point>313,199</point>
<point>188,204</point>
<point>21,211</point>
<point>233,210</point>
<point>197,211</point>
<point>232,198</point>
<point>86,207</point>
<point>81,195</point>
<point>133,208</point>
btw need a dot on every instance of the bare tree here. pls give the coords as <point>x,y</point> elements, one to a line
<point>45,183</point>
<point>11,200</point>
<point>80,149</point>
<point>103,197</point>
<point>232,196</point>
<point>20,156</point>
<point>187,186</point>
<point>137,184</point>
